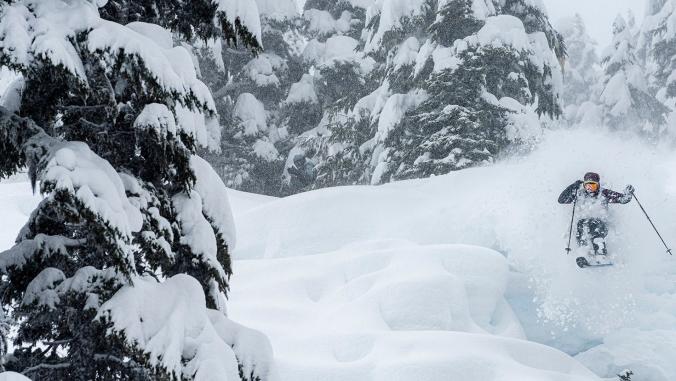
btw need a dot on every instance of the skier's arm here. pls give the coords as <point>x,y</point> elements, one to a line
<point>616,197</point>
<point>569,194</point>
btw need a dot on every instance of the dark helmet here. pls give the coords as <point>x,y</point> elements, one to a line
<point>591,176</point>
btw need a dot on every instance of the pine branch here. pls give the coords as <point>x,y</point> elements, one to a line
<point>46,366</point>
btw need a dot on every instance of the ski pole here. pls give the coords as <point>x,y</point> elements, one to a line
<point>570,232</point>
<point>651,223</point>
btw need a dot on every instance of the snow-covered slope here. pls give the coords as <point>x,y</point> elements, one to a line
<point>393,310</point>
<point>321,272</point>
<point>461,276</point>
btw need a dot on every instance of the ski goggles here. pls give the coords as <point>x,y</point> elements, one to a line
<point>591,186</point>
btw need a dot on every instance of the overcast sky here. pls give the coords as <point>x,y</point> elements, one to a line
<point>597,14</point>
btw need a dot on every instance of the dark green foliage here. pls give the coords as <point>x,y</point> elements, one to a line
<point>664,54</point>
<point>300,117</point>
<point>339,81</point>
<point>350,165</point>
<point>455,21</point>
<point>457,129</point>
<point>64,236</point>
<point>190,18</point>
<point>15,133</point>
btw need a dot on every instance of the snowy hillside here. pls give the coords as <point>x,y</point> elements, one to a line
<point>369,282</point>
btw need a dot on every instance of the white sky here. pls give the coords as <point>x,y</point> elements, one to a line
<point>597,14</point>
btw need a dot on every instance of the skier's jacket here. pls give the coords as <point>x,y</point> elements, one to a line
<point>592,205</point>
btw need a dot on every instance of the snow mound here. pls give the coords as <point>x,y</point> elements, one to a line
<point>393,310</point>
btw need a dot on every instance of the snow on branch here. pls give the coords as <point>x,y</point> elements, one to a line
<point>170,324</point>
<point>73,167</point>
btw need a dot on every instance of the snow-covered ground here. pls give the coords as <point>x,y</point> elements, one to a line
<point>458,277</point>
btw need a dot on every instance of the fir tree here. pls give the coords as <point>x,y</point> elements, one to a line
<point>250,94</point>
<point>108,124</point>
<point>658,49</point>
<point>329,154</point>
<point>426,92</point>
<point>447,97</point>
<point>626,99</point>
<point>580,69</point>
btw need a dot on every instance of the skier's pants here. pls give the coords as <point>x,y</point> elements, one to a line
<point>589,229</point>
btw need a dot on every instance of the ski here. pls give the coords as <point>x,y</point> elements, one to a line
<point>583,263</point>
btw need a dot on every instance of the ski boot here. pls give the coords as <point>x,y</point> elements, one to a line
<point>597,256</point>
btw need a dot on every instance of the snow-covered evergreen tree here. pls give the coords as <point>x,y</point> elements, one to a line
<point>319,105</point>
<point>657,46</point>
<point>626,97</point>
<point>503,75</point>
<point>447,85</point>
<point>581,68</point>
<point>250,94</point>
<point>107,119</point>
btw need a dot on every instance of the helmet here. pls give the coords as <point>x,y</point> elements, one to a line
<point>591,176</point>
<point>592,182</point>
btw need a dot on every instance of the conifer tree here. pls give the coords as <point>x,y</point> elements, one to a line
<point>321,104</point>
<point>442,95</point>
<point>580,69</point>
<point>250,94</point>
<point>658,49</point>
<point>626,98</point>
<point>107,119</point>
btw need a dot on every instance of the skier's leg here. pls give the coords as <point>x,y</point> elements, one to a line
<point>580,235</point>
<point>598,232</point>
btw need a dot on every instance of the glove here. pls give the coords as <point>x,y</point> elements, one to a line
<point>629,190</point>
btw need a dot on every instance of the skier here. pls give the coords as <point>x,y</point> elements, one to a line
<point>592,203</point>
